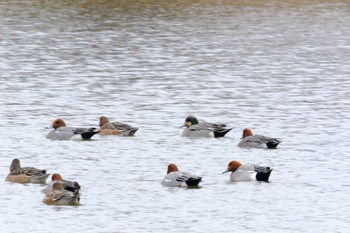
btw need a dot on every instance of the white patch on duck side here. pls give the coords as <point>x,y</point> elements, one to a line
<point>76,137</point>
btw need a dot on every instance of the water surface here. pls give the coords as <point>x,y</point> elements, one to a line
<point>279,68</point>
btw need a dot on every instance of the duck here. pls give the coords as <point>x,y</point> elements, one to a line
<point>247,172</point>
<point>62,132</point>
<point>70,186</point>
<point>115,128</point>
<point>195,128</point>
<point>25,175</point>
<point>257,141</point>
<point>176,178</point>
<point>60,196</point>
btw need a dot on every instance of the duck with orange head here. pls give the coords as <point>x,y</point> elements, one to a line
<point>176,178</point>
<point>247,172</point>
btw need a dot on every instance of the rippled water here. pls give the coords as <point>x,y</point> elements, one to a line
<point>280,68</point>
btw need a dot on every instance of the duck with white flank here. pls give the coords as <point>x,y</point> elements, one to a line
<point>176,178</point>
<point>247,172</point>
<point>195,128</point>
<point>62,132</point>
<point>257,141</point>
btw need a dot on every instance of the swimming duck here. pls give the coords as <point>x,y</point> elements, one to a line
<point>247,172</point>
<point>195,128</point>
<point>116,128</point>
<point>24,175</point>
<point>70,186</point>
<point>257,141</point>
<point>60,196</point>
<point>62,132</point>
<point>176,178</point>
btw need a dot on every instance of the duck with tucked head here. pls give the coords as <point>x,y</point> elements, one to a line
<point>70,186</point>
<point>60,196</point>
<point>62,132</point>
<point>257,141</point>
<point>24,175</point>
<point>195,128</point>
<point>115,128</point>
<point>247,172</point>
<point>176,178</point>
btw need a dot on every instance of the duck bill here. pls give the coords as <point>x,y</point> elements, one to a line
<point>225,171</point>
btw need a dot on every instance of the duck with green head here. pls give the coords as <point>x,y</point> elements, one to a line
<point>196,128</point>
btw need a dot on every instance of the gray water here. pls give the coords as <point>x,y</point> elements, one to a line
<point>280,68</point>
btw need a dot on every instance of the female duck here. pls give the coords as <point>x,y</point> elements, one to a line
<point>247,172</point>
<point>176,178</point>
<point>257,141</point>
<point>62,132</point>
<point>115,128</point>
<point>70,186</point>
<point>24,175</point>
<point>59,196</point>
<point>195,128</point>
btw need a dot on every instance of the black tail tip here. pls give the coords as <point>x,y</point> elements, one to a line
<point>193,181</point>
<point>263,176</point>
<point>272,145</point>
<point>88,135</point>
<point>221,133</point>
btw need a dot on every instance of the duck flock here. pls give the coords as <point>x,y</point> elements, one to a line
<point>64,192</point>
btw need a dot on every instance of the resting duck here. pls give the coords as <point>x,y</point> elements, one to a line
<point>247,172</point>
<point>62,132</point>
<point>60,196</point>
<point>24,175</point>
<point>70,186</point>
<point>195,128</point>
<point>257,141</point>
<point>176,178</point>
<point>115,128</point>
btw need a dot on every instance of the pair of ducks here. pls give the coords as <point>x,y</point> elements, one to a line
<point>193,128</point>
<point>58,191</point>
<point>239,172</point>
<point>62,132</point>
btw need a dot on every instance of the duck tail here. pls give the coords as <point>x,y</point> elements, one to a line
<point>130,132</point>
<point>263,176</point>
<point>221,133</point>
<point>272,144</point>
<point>88,134</point>
<point>193,181</point>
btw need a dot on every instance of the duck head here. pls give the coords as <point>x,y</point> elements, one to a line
<point>15,165</point>
<point>232,166</point>
<point>56,176</point>
<point>247,132</point>
<point>58,122</point>
<point>57,186</point>
<point>103,120</point>
<point>191,120</point>
<point>172,168</point>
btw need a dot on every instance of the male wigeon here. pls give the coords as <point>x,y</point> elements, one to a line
<point>115,128</point>
<point>62,132</point>
<point>60,196</point>
<point>24,175</point>
<point>176,178</point>
<point>70,186</point>
<point>257,141</point>
<point>247,172</point>
<point>195,128</point>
